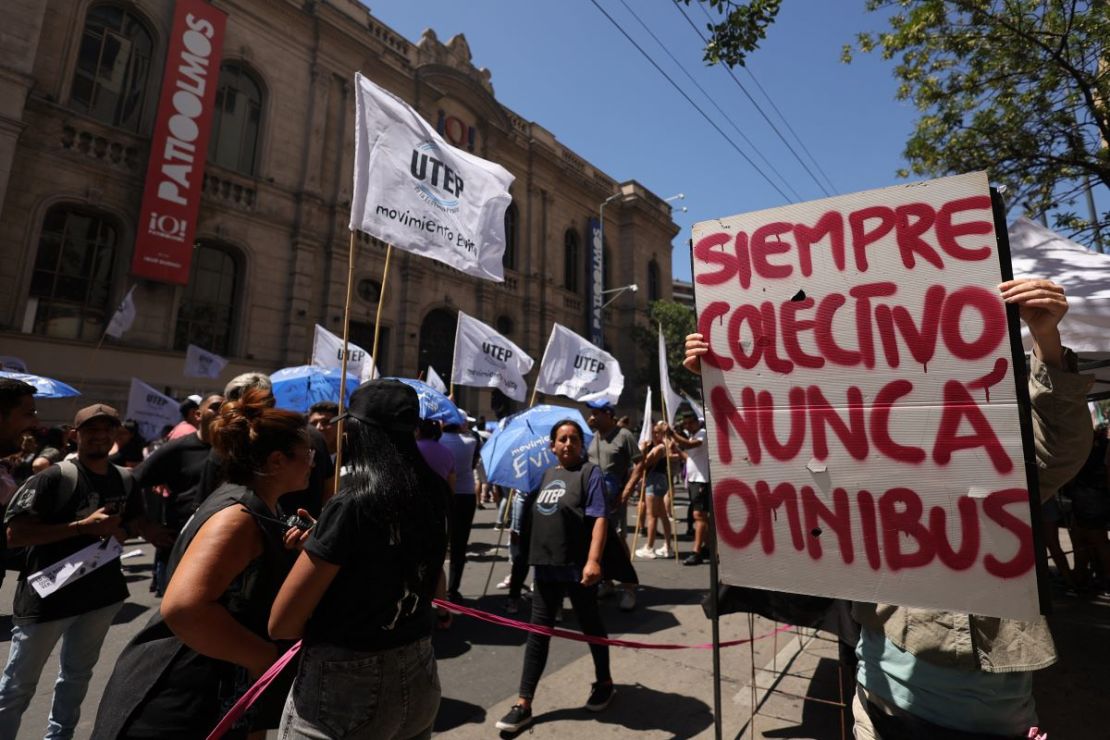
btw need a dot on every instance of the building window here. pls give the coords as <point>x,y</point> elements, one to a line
<point>653,281</point>
<point>73,273</point>
<point>369,290</point>
<point>572,263</point>
<point>237,120</point>
<point>113,63</point>
<point>204,317</point>
<point>504,325</point>
<point>362,334</point>
<point>509,258</point>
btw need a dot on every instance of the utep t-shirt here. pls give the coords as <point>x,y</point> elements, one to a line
<point>365,607</point>
<point>41,496</point>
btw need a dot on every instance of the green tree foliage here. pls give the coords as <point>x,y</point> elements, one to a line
<point>743,26</point>
<point>1019,88</point>
<point>677,321</point>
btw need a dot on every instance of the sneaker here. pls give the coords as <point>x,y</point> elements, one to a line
<point>628,600</point>
<point>516,720</point>
<point>512,606</point>
<point>645,553</point>
<point>694,559</point>
<point>664,552</point>
<point>600,696</point>
<point>505,583</point>
<point>605,590</point>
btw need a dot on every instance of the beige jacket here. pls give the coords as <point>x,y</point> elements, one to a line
<point>1062,436</point>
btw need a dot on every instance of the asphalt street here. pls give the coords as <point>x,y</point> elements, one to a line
<point>660,693</point>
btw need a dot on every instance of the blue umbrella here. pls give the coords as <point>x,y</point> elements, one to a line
<point>297,388</point>
<point>44,387</point>
<point>518,453</point>
<point>433,404</point>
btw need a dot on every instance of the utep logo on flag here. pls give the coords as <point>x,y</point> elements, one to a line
<point>486,359</point>
<point>575,368</point>
<point>417,192</point>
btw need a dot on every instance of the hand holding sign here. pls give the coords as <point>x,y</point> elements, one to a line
<point>1042,304</point>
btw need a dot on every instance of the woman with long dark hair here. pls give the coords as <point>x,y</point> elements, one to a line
<point>360,594</point>
<point>196,657</point>
<point>568,534</point>
<point>127,452</point>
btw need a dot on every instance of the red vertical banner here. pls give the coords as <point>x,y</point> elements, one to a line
<point>175,172</point>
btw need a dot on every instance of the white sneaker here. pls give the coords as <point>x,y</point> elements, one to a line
<point>664,552</point>
<point>645,553</point>
<point>505,583</point>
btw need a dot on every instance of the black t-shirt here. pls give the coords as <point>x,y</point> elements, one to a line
<point>43,496</point>
<point>310,499</point>
<point>366,606</point>
<point>178,465</point>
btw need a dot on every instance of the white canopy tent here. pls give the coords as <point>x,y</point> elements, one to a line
<point>1037,251</point>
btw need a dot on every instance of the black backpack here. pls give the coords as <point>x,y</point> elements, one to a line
<point>15,558</point>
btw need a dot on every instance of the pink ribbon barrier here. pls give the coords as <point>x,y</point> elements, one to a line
<point>252,694</point>
<point>593,640</point>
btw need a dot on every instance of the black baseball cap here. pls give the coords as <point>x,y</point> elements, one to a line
<point>386,403</point>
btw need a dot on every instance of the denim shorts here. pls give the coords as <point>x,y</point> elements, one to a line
<point>656,484</point>
<point>341,693</point>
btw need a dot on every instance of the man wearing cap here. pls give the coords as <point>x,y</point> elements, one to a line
<point>615,451</point>
<point>56,513</point>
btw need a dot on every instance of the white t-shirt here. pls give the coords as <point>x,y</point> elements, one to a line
<point>697,460</point>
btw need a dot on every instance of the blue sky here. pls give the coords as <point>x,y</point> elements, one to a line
<point>565,66</point>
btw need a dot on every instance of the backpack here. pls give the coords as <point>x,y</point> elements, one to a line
<point>15,558</point>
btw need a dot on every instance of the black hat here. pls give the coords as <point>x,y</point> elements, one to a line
<point>96,411</point>
<point>389,404</point>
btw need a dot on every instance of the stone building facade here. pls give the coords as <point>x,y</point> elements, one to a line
<point>79,88</point>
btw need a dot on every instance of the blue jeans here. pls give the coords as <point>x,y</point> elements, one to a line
<point>381,695</point>
<point>31,645</point>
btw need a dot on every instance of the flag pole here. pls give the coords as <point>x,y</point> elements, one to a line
<point>343,364</point>
<point>500,533</point>
<point>670,478</point>
<point>378,315</point>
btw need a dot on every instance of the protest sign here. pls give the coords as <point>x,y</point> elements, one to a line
<point>574,368</point>
<point>200,363</point>
<point>417,192</point>
<point>327,352</point>
<point>486,359</point>
<point>151,409</point>
<point>864,434</point>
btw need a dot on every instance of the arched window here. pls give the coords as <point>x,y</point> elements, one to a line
<point>237,120</point>
<point>653,291</point>
<point>572,263</point>
<point>437,341</point>
<point>204,317</point>
<point>113,63</point>
<point>73,273</point>
<point>509,258</point>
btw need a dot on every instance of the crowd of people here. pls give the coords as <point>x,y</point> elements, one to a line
<point>254,551</point>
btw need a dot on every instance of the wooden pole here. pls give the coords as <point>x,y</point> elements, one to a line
<point>670,479</point>
<point>532,402</point>
<point>500,533</point>
<point>381,302</point>
<point>343,363</point>
<point>640,511</point>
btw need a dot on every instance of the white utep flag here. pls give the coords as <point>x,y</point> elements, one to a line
<point>645,430</point>
<point>124,316</point>
<point>200,363</point>
<point>417,192</point>
<point>327,349</point>
<point>577,369</point>
<point>670,398</point>
<point>434,380</point>
<point>151,408</point>
<point>486,359</point>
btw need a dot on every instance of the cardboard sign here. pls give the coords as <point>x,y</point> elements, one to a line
<point>864,434</point>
